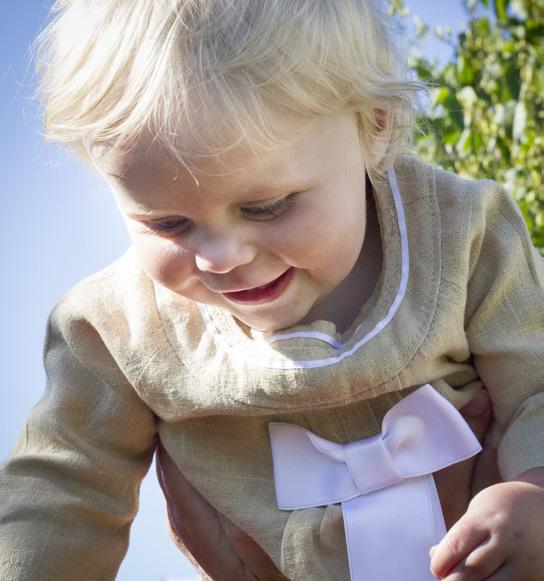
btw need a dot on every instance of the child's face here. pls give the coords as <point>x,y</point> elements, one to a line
<point>267,237</point>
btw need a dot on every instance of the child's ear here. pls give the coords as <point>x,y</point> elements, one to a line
<point>377,145</point>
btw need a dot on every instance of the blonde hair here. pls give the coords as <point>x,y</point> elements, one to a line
<point>112,69</point>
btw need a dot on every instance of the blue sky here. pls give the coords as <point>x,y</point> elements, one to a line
<point>58,224</point>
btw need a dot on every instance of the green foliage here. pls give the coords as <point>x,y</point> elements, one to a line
<point>487,106</point>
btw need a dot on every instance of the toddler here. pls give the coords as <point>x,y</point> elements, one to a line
<point>294,280</point>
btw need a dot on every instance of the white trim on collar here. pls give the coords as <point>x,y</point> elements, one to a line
<point>309,364</point>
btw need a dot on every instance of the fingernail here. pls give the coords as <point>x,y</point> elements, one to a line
<point>432,550</point>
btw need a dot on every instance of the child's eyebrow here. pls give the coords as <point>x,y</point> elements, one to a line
<point>254,194</point>
<point>260,191</point>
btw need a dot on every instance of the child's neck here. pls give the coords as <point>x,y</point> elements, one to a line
<point>344,304</point>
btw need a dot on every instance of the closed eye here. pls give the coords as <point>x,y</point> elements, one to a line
<point>169,226</point>
<point>269,210</point>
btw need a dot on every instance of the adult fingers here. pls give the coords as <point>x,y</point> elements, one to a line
<point>455,483</point>
<point>251,554</point>
<point>486,471</point>
<point>478,414</point>
<point>196,526</point>
<point>220,548</point>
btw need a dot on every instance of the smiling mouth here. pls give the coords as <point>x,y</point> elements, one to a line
<point>265,293</point>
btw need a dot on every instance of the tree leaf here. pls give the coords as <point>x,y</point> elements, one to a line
<point>452,137</point>
<point>481,26</point>
<point>512,81</point>
<point>501,9</point>
<point>465,72</point>
<point>520,121</point>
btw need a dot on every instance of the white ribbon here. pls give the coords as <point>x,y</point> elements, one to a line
<point>391,510</point>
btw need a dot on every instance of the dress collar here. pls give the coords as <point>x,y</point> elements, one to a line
<point>311,365</point>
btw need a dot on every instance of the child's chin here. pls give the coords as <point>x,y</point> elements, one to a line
<point>273,326</point>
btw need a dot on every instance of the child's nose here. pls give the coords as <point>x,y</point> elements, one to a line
<point>223,253</point>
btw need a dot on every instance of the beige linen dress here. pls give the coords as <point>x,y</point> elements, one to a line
<point>460,300</point>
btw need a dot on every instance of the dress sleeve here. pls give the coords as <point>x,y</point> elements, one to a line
<point>69,491</point>
<point>505,330</point>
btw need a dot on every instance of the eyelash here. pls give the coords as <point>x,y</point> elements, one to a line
<point>176,226</point>
<point>270,210</point>
<point>171,226</point>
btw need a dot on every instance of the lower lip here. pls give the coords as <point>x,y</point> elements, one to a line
<point>265,294</point>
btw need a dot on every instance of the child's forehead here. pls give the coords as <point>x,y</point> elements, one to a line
<point>147,179</point>
<point>150,158</point>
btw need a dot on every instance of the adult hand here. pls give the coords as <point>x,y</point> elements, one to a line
<point>221,551</point>
<point>217,548</point>
<point>457,484</point>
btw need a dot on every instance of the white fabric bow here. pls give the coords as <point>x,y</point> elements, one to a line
<point>390,505</point>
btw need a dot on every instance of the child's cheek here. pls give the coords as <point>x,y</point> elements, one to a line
<point>165,261</point>
<point>317,240</point>
<point>294,236</point>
